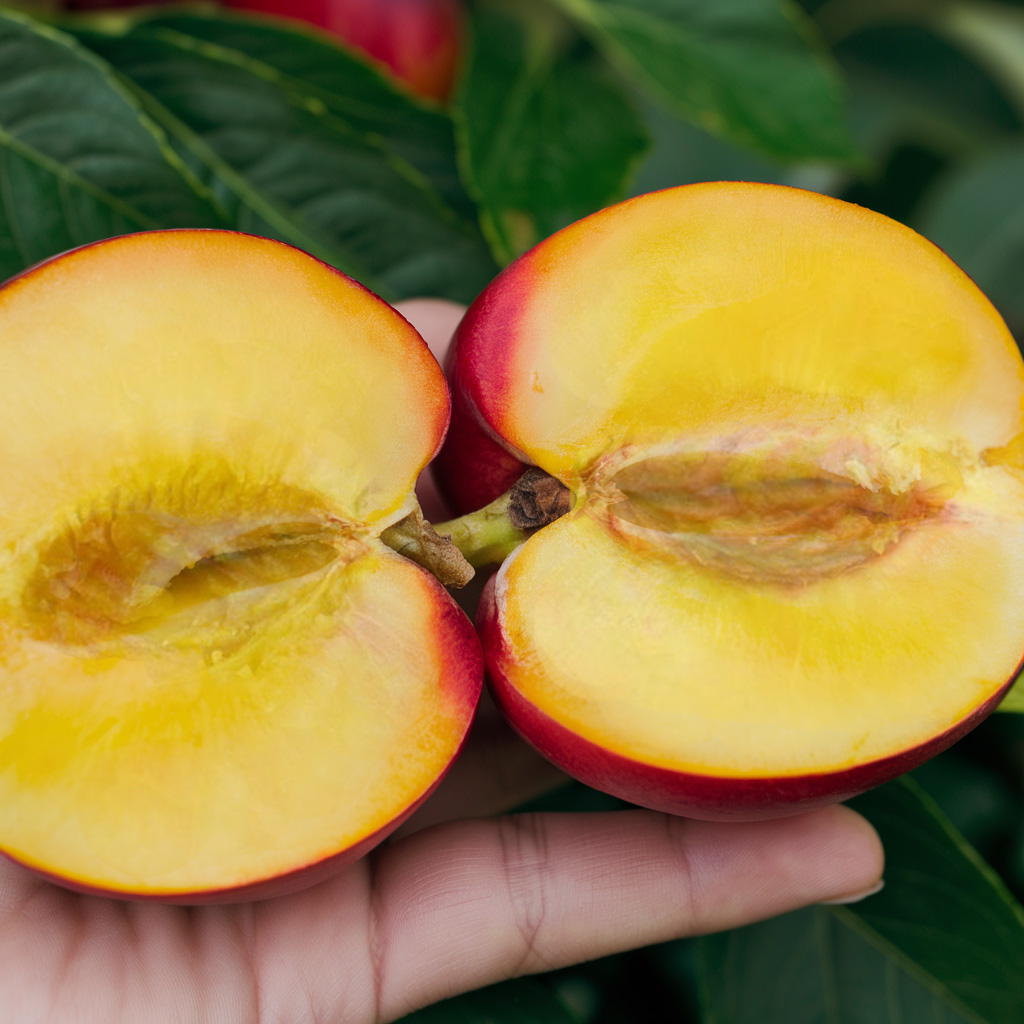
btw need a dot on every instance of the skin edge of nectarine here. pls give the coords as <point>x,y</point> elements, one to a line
<point>692,795</point>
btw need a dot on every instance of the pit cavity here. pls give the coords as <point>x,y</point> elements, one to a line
<point>777,516</point>
<point>124,573</point>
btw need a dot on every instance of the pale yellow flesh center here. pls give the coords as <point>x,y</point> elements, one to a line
<point>773,518</point>
<point>114,575</point>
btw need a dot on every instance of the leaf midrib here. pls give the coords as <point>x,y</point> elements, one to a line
<point>68,177</point>
<point>276,216</point>
<point>304,96</point>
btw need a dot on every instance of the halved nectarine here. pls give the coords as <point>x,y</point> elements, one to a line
<point>793,435</point>
<point>218,682</point>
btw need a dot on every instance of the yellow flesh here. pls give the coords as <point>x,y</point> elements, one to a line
<point>212,672</point>
<point>129,362</point>
<point>669,662</point>
<point>798,536</point>
<point>200,765</point>
<point>749,306</point>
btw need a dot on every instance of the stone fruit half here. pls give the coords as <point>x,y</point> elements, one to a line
<point>217,681</point>
<point>791,430</point>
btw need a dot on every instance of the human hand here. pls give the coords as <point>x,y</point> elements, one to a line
<point>454,902</point>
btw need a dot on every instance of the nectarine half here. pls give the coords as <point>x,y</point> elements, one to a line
<point>217,681</point>
<point>793,437</point>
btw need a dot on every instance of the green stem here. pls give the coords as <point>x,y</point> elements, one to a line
<point>486,536</point>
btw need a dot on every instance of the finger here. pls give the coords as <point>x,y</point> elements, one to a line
<point>436,320</point>
<point>532,893</point>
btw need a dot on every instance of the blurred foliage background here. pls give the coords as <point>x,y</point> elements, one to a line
<point>184,116</point>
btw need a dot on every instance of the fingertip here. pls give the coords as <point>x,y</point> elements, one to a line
<point>856,853</point>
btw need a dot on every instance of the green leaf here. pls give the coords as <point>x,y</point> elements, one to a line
<point>909,84</point>
<point>283,164</point>
<point>79,160</point>
<point>682,154</point>
<point>978,797</point>
<point>747,70</point>
<point>943,942</point>
<point>810,968</point>
<point>523,1001</point>
<point>992,32</point>
<point>977,216</point>
<point>547,137</point>
<point>1014,700</point>
<point>944,912</point>
<point>350,87</point>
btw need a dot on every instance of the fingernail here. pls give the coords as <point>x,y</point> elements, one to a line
<point>855,897</point>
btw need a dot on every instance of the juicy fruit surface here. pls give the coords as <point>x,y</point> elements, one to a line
<point>699,671</point>
<point>256,760</point>
<point>788,424</point>
<point>735,306</point>
<point>214,672</point>
<point>130,362</point>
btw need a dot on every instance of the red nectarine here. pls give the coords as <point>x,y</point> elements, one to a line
<point>218,681</point>
<point>791,432</point>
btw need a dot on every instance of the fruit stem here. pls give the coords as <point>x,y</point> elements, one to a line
<point>493,532</point>
<point>452,550</point>
<point>418,541</point>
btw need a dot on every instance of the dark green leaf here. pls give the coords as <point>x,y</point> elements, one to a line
<point>943,942</point>
<point>284,165</point>
<point>1014,700</point>
<point>977,797</point>
<point>977,216</point>
<point>993,33</point>
<point>748,70</point>
<point>907,83</point>
<point>809,967</point>
<point>547,137</point>
<point>349,87</point>
<point>524,1001</point>
<point>944,912</point>
<point>682,154</point>
<point>79,160</point>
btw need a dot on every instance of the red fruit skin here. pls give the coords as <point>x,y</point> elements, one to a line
<point>472,469</point>
<point>418,41</point>
<point>462,682</point>
<point>706,797</point>
<point>474,465</point>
